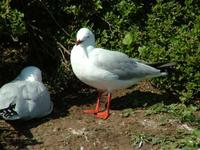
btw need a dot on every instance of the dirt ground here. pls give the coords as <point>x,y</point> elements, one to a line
<point>68,128</point>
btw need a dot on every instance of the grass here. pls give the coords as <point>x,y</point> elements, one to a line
<point>127,112</point>
<point>181,140</point>
<point>180,111</point>
<point>184,137</point>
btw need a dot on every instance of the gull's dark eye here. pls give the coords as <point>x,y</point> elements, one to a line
<point>87,36</point>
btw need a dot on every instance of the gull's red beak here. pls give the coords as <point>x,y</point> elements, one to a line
<point>78,42</point>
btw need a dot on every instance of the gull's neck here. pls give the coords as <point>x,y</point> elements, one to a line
<point>86,49</point>
<point>90,48</point>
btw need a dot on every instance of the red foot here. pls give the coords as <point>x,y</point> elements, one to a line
<point>103,115</point>
<point>92,111</point>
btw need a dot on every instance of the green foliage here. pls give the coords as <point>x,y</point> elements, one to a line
<point>181,111</point>
<point>136,139</point>
<point>127,112</point>
<point>173,35</point>
<point>11,20</point>
<point>180,140</point>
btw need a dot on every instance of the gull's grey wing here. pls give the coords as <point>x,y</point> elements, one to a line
<point>38,100</point>
<point>27,99</point>
<point>9,93</point>
<point>121,65</point>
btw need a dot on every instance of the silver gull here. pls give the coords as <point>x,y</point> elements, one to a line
<point>26,97</point>
<point>106,70</point>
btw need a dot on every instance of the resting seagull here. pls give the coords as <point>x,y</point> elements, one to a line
<point>26,97</point>
<point>106,70</point>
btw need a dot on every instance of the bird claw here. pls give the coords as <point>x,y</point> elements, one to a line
<point>103,115</point>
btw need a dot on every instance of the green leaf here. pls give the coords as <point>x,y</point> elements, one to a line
<point>128,39</point>
<point>196,132</point>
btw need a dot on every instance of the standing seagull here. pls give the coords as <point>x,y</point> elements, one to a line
<point>26,97</point>
<point>106,70</point>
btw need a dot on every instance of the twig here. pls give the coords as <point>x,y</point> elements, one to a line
<point>61,46</point>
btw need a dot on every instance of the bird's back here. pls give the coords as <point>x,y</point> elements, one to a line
<point>31,99</point>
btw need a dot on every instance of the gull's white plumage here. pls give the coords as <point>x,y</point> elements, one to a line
<point>105,69</point>
<point>26,97</point>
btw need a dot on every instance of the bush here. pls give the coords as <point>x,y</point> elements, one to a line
<point>11,20</point>
<point>172,34</point>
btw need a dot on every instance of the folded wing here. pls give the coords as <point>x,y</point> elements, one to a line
<point>121,65</point>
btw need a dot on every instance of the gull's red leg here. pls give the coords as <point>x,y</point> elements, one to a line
<point>96,110</point>
<point>105,114</point>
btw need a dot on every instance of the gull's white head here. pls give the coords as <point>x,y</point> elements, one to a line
<point>85,37</point>
<point>30,73</point>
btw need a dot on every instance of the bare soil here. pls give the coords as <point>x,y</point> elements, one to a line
<point>68,128</point>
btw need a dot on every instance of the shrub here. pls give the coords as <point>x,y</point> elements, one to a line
<point>172,33</point>
<point>11,20</point>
